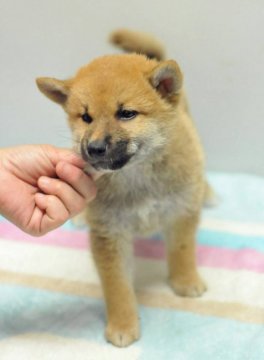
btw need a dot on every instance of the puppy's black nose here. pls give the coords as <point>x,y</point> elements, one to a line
<point>97,148</point>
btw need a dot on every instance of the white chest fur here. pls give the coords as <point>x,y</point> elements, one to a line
<point>140,202</point>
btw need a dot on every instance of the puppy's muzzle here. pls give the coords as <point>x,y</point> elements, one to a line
<point>102,154</point>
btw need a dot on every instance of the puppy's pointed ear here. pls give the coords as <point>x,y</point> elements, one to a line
<point>167,78</point>
<point>56,90</point>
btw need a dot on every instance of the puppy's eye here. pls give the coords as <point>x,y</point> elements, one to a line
<point>87,118</point>
<point>126,114</point>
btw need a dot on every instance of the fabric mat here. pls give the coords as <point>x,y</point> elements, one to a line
<point>51,304</point>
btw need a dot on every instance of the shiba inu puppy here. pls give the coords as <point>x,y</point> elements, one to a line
<point>130,121</point>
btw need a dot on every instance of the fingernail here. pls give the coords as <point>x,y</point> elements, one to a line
<point>44,181</point>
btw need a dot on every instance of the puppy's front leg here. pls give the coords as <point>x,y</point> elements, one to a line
<point>183,274</point>
<point>122,319</point>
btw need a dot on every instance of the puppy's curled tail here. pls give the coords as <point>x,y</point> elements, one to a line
<point>138,42</point>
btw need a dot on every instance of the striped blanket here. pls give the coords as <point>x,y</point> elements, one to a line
<point>51,303</point>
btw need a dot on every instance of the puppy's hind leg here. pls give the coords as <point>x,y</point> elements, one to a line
<point>183,274</point>
<point>122,319</point>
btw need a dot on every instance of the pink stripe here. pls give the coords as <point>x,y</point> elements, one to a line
<point>60,237</point>
<point>210,256</point>
<point>232,259</point>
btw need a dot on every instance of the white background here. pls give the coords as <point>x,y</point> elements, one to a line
<point>219,45</point>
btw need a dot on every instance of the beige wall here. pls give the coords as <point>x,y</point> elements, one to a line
<point>219,45</point>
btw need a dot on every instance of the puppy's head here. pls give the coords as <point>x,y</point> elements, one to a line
<point>118,107</point>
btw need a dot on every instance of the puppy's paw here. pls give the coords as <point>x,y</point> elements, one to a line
<point>190,287</point>
<point>122,335</point>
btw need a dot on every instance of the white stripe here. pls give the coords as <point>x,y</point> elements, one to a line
<point>242,287</point>
<point>45,346</point>
<point>55,262</point>
<point>224,285</point>
<point>249,229</point>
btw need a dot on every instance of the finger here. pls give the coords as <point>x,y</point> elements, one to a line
<point>80,182</point>
<point>70,198</point>
<point>73,158</point>
<point>55,212</point>
<point>55,154</point>
<point>69,156</point>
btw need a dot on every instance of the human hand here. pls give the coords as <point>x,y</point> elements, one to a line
<point>42,186</point>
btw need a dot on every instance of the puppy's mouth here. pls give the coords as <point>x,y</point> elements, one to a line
<point>108,158</point>
<point>110,164</point>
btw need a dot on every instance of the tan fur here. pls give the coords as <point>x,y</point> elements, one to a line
<point>161,187</point>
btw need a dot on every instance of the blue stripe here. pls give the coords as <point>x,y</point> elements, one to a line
<point>225,240</point>
<point>166,334</point>
<point>230,240</point>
